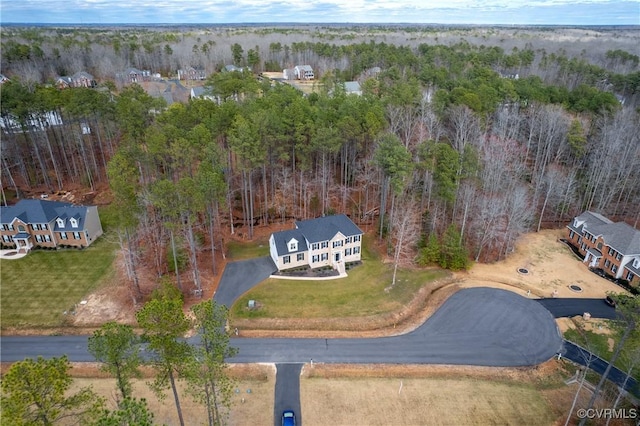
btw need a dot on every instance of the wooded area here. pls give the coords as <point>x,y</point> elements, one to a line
<point>464,140</point>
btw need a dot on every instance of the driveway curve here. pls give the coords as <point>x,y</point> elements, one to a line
<point>475,326</point>
<point>239,277</point>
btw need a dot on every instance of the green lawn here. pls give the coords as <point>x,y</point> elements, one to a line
<point>599,344</point>
<point>249,250</point>
<point>360,294</point>
<point>36,289</point>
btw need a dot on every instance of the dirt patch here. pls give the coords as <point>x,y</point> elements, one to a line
<point>552,268</point>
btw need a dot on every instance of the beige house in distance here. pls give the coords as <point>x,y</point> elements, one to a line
<point>325,241</point>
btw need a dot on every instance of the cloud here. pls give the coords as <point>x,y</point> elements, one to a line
<point>587,12</point>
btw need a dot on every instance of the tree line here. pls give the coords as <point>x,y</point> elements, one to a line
<point>441,150</point>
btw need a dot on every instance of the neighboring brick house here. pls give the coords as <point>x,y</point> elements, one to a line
<point>191,73</point>
<point>42,223</point>
<point>79,79</point>
<point>612,247</point>
<point>325,241</point>
<point>134,75</point>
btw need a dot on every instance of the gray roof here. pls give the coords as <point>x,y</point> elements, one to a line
<point>82,74</point>
<point>352,87</point>
<point>282,239</point>
<point>232,68</point>
<point>622,237</point>
<point>630,267</point>
<point>41,211</point>
<point>325,228</point>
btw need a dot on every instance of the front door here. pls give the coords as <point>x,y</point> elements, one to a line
<point>337,257</point>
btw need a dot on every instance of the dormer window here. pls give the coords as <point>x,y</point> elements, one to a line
<point>293,245</point>
<point>636,263</point>
<point>74,222</point>
<point>60,222</point>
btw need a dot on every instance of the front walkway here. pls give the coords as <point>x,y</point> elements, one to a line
<point>12,254</point>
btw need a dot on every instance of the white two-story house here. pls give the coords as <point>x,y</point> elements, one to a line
<point>325,241</point>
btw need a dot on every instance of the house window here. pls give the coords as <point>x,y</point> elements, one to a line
<point>315,258</point>
<point>347,252</point>
<point>21,228</point>
<point>47,238</point>
<point>614,268</point>
<point>39,238</point>
<point>44,226</point>
<point>607,263</point>
<point>324,256</point>
<point>6,239</point>
<point>618,256</point>
<point>324,244</point>
<point>356,238</point>
<point>315,246</point>
<point>611,251</point>
<point>629,276</point>
<point>337,244</point>
<point>74,223</point>
<point>300,257</point>
<point>10,227</point>
<point>2,228</point>
<point>60,222</point>
<point>286,259</point>
<point>599,246</point>
<point>76,235</point>
<point>63,235</point>
<point>356,250</point>
<point>348,240</point>
<point>571,234</point>
<point>636,263</point>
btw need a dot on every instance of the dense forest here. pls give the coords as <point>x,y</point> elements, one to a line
<point>464,139</point>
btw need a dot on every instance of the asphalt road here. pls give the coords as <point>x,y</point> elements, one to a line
<point>475,326</point>
<point>560,308</point>
<point>287,392</point>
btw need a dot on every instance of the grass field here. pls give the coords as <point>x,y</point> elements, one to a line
<point>252,401</point>
<point>422,402</point>
<point>362,293</point>
<point>37,289</point>
<point>250,250</point>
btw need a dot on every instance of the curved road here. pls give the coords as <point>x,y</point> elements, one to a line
<point>475,326</point>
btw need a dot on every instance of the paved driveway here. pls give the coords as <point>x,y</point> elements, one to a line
<point>239,277</point>
<point>287,392</point>
<point>571,307</point>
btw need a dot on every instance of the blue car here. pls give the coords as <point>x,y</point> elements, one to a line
<point>288,418</point>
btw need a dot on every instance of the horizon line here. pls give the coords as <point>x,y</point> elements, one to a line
<point>318,23</point>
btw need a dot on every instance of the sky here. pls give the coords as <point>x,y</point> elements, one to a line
<point>499,12</point>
